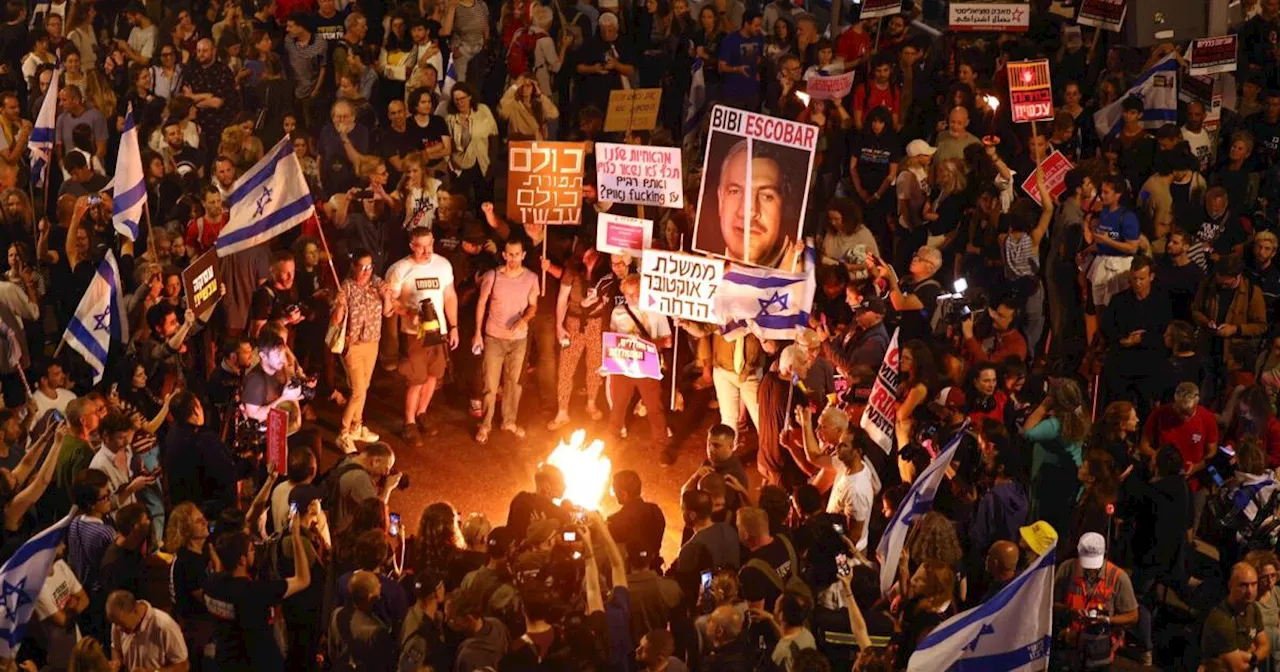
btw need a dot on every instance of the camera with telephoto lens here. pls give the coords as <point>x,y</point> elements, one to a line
<point>307,385</point>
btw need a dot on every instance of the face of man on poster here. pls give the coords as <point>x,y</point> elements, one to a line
<point>762,205</point>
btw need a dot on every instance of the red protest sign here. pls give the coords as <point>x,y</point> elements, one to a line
<point>1054,169</point>
<point>1213,55</point>
<point>874,9</point>
<point>1104,14</point>
<point>1030,91</point>
<point>277,440</point>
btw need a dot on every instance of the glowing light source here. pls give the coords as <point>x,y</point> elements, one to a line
<point>992,102</point>
<point>804,97</point>
<point>586,470</point>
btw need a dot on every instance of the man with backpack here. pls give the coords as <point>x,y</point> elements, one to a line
<point>771,566</point>
<point>362,476</point>
<point>358,639</point>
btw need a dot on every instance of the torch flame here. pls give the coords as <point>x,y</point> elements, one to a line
<point>992,102</point>
<point>586,470</point>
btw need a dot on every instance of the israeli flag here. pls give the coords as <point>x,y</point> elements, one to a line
<point>919,501</point>
<point>1010,632</point>
<point>129,185</point>
<point>695,103</point>
<point>41,141</point>
<point>100,317</point>
<point>1158,90</point>
<point>269,199</point>
<point>769,303</point>
<point>448,80</point>
<point>21,579</point>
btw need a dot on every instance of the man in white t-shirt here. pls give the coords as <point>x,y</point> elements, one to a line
<point>114,459</point>
<point>62,599</point>
<point>1197,137</point>
<point>420,291</point>
<point>856,486</point>
<point>631,320</point>
<point>51,390</point>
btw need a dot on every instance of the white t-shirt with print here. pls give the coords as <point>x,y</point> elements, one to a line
<point>412,282</point>
<point>853,496</point>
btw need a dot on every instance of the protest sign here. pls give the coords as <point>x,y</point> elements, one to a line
<point>834,87</point>
<point>639,174</point>
<point>1005,17</point>
<point>632,110</point>
<point>1104,14</point>
<point>616,234</point>
<point>200,282</point>
<point>1030,91</point>
<point>544,185</point>
<point>679,285</point>
<point>1209,91</point>
<point>1054,169</point>
<point>629,356</point>
<point>874,9</point>
<point>881,413</point>
<point>778,173</point>
<point>277,440</point>
<point>1213,55</point>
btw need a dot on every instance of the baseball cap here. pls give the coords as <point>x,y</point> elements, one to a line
<point>500,541</point>
<point>920,148</point>
<point>542,530</point>
<point>1040,536</point>
<point>1092,550</point>
<point>873,304</point>
<point>951,398</point>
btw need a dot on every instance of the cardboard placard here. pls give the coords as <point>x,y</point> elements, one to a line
<point>1213,55</point>
<point>201,283</point>
<point>616,234</point>
<point>630,356</point>
<point>633,109</point>
<point>1209,91</point>
<point>1104,14</point>
<point>639,175</point>
<point>278,440</point>
<point>994,17</point>
<point>874,9</point>
<point>1030,91</point>
<point>544,184</point>
<point>778,173</point>
<point>1055,169</point>
<point>834,87</point>
<point>881,412</point>
<point>679,285</point>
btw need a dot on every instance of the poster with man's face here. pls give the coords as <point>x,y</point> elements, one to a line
<point>755,185</point>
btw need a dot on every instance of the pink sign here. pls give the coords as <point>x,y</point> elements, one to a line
<point>1054,169</point>
<point>616,234</point>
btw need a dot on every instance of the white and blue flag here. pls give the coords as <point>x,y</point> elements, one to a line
<point>22,577</point>
<point>1010,632</point>
<point>769,303</point>
<point>129,184</point>
<point>919,501</point>
<point>100,317</point>
<point>269,199</point>
<point>447,80</point>
<point>42,134</point>
<point>1157,88</point>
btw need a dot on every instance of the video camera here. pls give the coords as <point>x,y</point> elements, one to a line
<point>961,304</point>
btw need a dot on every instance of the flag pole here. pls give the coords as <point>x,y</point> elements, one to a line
<point>328,254</point>
<point>675,357</point>
<point>151,239</point>
<point>543,286</point>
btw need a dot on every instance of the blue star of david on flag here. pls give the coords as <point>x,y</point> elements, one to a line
<point>12,599</point>
<point>263,200</point>
<point>779,298</point>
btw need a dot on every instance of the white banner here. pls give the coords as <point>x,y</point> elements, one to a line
<point>881,411</point>
<point>680,285</point>
<point>639,175</point>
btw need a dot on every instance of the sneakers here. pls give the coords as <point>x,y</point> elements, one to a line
<point>429,430</point>
<point>346,443</point>
<point>363,434</point>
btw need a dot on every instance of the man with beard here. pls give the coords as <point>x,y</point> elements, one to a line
<point>212,87</point>
<point>276,299</point>
<point>180,159</point>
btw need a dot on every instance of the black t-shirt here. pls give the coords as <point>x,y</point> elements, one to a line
<point>187,160</point>
<point>756,584</point>
<point>915,323</point>
<point>431,135</point>
<point>332,28</point>
<point>1181,284</point>
<point>189,572</point>
<point>395,143</point>
<point>1267,139</point>
<point>260,387</point>
<point>241,609</point>
<point>122,570</point>
<point>874,154</point>
<point>270,303</point>
<point>525,505</point>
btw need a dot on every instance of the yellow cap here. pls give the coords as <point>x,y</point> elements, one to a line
<point>1040,536</point>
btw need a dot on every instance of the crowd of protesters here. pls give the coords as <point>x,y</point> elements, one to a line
<point>1107,371</point>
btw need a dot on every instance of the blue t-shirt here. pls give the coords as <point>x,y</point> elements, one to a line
<point>735,51</point>
<point>1120,225</point>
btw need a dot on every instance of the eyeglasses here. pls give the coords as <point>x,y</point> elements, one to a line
<point>365,267</point>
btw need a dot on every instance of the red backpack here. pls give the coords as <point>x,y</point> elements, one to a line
<point>520,52</point>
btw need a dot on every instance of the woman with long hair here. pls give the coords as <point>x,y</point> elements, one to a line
<point>846,233</point>
<point>930,594</point>
<point>833,123</point>
<point>167,71</point>
<point>527,108</point>
<point>359,304</point>
<point>1116,434</point>
<point>873,169</point>
<point>473,128</point>
<point>781,41</point>
<point>439,544</point>
<point>706,46</point>
<point>917,377</point>
<point>943,210</point>
<point>186,537</point>
<point>1100,488</point>
<point>584,303</point>
<point>1057,429</point>
<point>81,34</point>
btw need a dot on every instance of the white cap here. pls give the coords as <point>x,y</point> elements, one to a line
<point>920,148</point>
<point>1092,550</point>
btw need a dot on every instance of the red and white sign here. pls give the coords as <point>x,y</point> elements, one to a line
<point>881,413</point>
<point>874,9</point>
<point>994,17</point>
<point>1213,55</point>
<point>278,440</point>
<point>1104,14</point>
<point>1208,91</point>
<point>1054,169</point>
<point>834,87</point>
<point>1030,91</point>
<point>616,234</point>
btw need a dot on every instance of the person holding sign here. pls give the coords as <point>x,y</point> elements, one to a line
<point>631,320</point>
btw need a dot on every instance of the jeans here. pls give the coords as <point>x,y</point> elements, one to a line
<point>732,394</point>
<point>359,361</point>
<point>503,361</point>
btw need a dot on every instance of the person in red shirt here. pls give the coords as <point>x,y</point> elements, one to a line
<point>203,231</point>
<point>854,45</point>
<point>879,92</point>
<point>1186,425</point>
<point>986,399</point>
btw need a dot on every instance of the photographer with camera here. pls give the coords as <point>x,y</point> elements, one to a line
<point>277,299</point>
<point>268,384</point>
<point>1093,602</point>
<point>915,297</point>
<point>366,475</point>
<point>989,335</point>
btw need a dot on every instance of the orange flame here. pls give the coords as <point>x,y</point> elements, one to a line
<point>586,470</point>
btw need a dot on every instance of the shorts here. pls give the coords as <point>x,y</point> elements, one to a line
<point>420,362</point>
